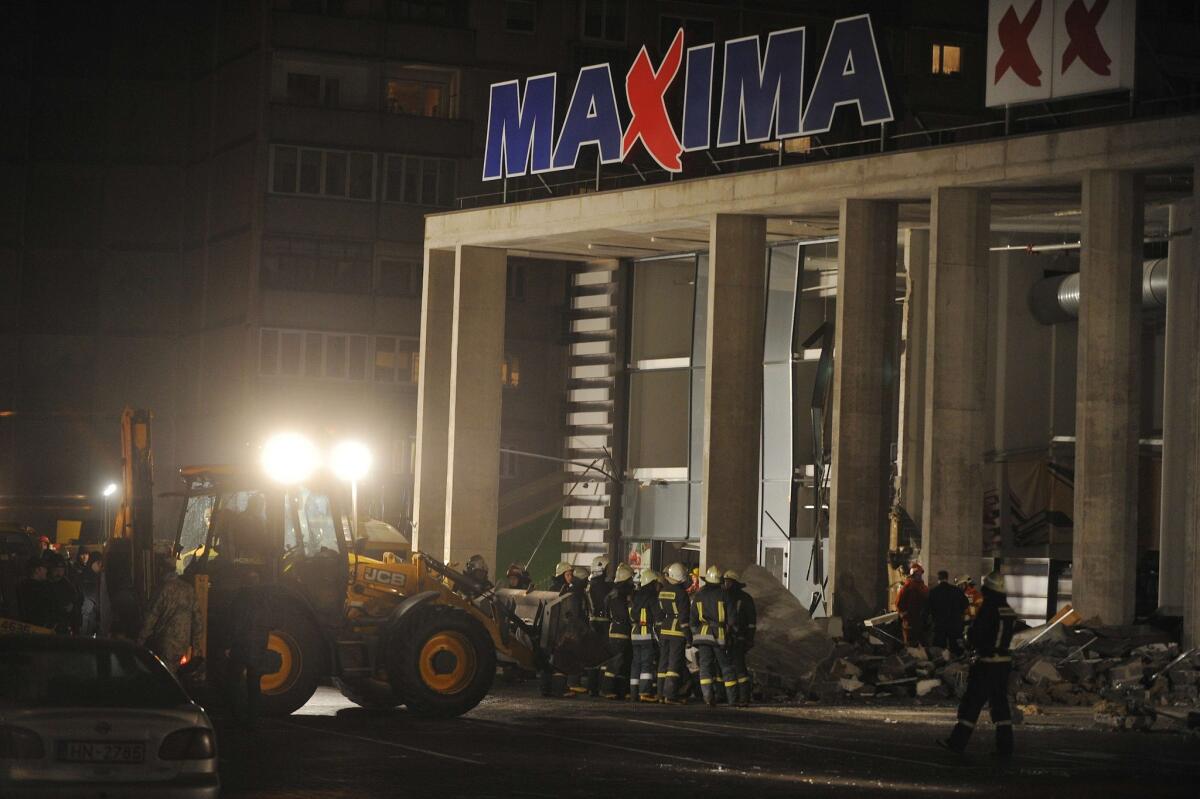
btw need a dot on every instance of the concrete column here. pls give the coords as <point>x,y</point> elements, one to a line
<point>861,404</point>
<point>910,455</point>
<point>473,443</point>
<point>955,380</point>
<point>1191,510</point>
<point>1179,387</point>
<point>733,390</point>
<point>1106,419</point>
<point>433,404</point>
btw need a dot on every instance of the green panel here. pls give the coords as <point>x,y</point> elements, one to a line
<point>517,544</point>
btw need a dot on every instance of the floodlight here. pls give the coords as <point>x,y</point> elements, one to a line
<point>350,461</point>
<point>289,458</point>
<point>110,489</point>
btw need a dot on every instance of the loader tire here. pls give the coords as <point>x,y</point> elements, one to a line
<point>302,662</point>
<point>367,693</point>
<point>440,661</point>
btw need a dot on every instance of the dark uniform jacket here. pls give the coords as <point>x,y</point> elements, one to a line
<point>675,606</point>
<point>712,616</point>
<point>644,613</point>
<point>991,634</point>
<point>745,617</point>
<point>616,605</point>
<point>947,604</point>
<point>598,589</point>
<point>255,613</point>
<point>36,599</point>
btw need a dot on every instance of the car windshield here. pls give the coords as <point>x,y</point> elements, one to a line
<point>47,676</point>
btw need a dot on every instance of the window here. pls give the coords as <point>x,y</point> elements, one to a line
<point>327,173</point>
<point>515,288</point>
<point>435,12</point>
<point>396,360</point>
<point>303,264</point>
<point>419,181</point>
<point>421,92</point>
<point>508,465</point>
<point>947,59</point>
<point>604,20</point>
<point>695,31</point>
<point>312,354</point>
<point>510,371</point>
<point>398,278</point>
<point>520,16</point>
<point>303,88</point>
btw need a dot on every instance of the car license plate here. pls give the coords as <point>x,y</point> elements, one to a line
<point>101,751</point>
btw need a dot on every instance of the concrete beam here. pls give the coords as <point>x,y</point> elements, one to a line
<point>910,455</point>
<point>862,404</point>
<point>433,404</point>
<point>1106,422</point>
<point>733,390</point>
<point>1181,382</point>
<point>473,443</point>
<point>955,381</point>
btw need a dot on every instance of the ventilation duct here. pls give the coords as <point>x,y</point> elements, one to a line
<point>1056,299</point>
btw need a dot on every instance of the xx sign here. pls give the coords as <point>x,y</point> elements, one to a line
<point>1044,49</point>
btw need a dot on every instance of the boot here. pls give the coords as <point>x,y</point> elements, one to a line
<point>743,694</point>
<point>710,696</point>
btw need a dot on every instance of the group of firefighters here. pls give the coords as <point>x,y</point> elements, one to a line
<point>650,627</point>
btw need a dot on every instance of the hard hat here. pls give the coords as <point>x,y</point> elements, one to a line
<point>648,576</point>
<point>994,581</point>
<point>916,569</point>
<point>562,568</point>
<point>962,579</point>
<point>477,563</point>
<point>732,575</point>
<point>676,573</point>
<point>713,575</point>
<point>515,569</point>
<point>600,564</point>
<point>623,573</point>
<point>580,573</point>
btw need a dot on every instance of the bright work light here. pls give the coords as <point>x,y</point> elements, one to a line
<point>289,458</point>
<point>350,461</point>
<point>110,489</point>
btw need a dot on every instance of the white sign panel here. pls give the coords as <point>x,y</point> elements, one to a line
<point>1020,49</point>
<point>1043,49</point>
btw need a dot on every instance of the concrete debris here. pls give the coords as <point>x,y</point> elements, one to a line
<point>1133,677</point>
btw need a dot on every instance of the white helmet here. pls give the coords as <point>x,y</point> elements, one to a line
<point>732,575</point>
<point>623,573</point>
<point>600,564</point>
<point>676,573</point>
<point>647,576</point>
<point>994,581</point>
<point>562,568</point>
<point>580,573</point>
<point>713,575</point>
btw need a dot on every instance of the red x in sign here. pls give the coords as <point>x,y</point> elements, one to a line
<point>1014,40</point>
<point>645,88</point>
<point>1085,42</point>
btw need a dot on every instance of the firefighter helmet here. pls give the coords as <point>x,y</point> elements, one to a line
<point>994,581</point>
<point>676,573</point>
<point>734,576</point>
<point>581,573</point>
<point>562,568</point>
<point>600,564</point>
<point>713,575</point>
<point>623,573</point>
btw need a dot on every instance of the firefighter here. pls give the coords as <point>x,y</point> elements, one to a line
<point>711,619</point>
<point>947,605</point>
<point>745,622</point>
<point>987,681</point>
<point>674,632</point>
<point>616,605</point>
<point>578,588</point>
<point>974,598</point>
<point>596,591</point>
<point>553,682</point>
<point>912,605</point>
<point>644,618</point>
<point>518,577</point>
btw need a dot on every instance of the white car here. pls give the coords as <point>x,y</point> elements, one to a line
<point>96,718</point>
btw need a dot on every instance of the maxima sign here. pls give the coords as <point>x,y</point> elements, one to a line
<point>760,97</point>
<point>1043,49</point>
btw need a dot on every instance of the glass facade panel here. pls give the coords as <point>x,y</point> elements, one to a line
<point>663,302</point>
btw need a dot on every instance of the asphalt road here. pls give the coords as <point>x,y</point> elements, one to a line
<point>517,744</point>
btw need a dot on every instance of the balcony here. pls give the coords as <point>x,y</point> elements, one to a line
<point>370,130</point>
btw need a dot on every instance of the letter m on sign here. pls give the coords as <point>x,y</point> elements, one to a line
<point>762,92</point>
<point>520,133</point>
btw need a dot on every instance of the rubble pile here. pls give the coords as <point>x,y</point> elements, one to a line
<point>1133,677</point>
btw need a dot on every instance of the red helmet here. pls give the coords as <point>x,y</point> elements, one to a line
<point>916,568</point>
<point>43,540</point>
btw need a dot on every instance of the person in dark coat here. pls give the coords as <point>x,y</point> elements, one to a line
<point>947,604</point>
<point>67,601</point>
<point>35,598</point>
<point>255,613</point>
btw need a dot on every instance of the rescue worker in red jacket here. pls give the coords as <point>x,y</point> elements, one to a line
<point>616,671</point>
<point>674,632</point>
<point>711,622</point>
<point>644,618</point>
<point>987,682</point>
<point>912,604</point>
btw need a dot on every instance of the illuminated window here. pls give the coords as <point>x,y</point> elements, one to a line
<point>397,360</point>
<point>947,59</point>
<point>420,92</point>
<point>300,353</point>
<point>510,371</point>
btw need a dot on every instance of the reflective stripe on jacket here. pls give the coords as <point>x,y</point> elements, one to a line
<point>711,615</point>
